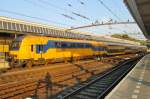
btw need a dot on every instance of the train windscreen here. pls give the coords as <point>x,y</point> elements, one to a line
<point>16,43</point>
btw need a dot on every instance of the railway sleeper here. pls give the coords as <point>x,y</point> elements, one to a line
<point>88,94</point>
<point>15,85</point>
<point>80,96</point>
<point>96,87</point>
<point>91,91</point>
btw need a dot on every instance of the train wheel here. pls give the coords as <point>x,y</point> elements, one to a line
<point>29,64</point>
<point>46,62</point>
<point>65,60</point>
<point>11,64</point>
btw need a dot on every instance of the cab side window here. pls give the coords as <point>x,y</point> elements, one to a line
<point>31,48</point>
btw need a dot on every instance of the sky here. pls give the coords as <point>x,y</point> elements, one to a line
<point>59,13</point>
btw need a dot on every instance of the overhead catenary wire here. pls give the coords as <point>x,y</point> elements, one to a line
<point>81,16</point>
<point>63,9</point>
<point>126,26</point>
<point>102,3</point>
<point>121,12</point>
<point>49,4</point>
<point>70,17</point>
<point>78,14</point>
<point>67,16</point>
<point>81,2</point>
<point>45,8</point>
<point>109,9</point>
<point>33,17</point>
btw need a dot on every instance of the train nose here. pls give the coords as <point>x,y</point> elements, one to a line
<point>13,54</point>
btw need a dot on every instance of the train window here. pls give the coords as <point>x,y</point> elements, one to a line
<point>76,45</point>
<point>31,48</point>
<point>51,44</point>
<point>73,45</point>
<point>39,48</point>
<point>93,47</point>
<point>64,45</point>
<point>79,45</point>
<point>101,48</point>
<point>82,45</point>
<point>105,48</point>
<point>15,45</point>
<point>87,46</point>
<point>68,45</point>
<point>98,48</point>
<point>58,44</point>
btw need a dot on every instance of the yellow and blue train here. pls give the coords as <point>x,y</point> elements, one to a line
<point>30,50</point>
<point>38,49</point>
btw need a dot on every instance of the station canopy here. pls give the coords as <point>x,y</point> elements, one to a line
<point>140,10</point>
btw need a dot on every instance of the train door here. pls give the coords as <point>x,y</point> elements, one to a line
<point>39,50</point>
<point>32,51</point>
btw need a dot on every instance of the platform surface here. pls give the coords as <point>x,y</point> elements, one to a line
<point>136,85</point>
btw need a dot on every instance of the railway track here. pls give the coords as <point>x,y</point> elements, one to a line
<point>99,86</point>
<point>22,83</point>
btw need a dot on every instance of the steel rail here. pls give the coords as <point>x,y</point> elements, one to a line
<point>116,69</point>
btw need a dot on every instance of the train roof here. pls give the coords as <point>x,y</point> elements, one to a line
<point>27,37</point>
<point>115,41</point>
<point>100,42</point>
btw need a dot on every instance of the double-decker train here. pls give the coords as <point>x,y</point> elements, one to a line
<point>30,50</point>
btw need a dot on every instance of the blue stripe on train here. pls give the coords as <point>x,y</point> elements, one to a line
<point>45,47</point>
<point>62,44</point>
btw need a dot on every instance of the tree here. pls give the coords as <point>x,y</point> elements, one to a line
<point>148,43</point>
<point>127,37</point>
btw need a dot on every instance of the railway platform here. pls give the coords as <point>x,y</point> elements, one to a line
<point>136,85</point>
